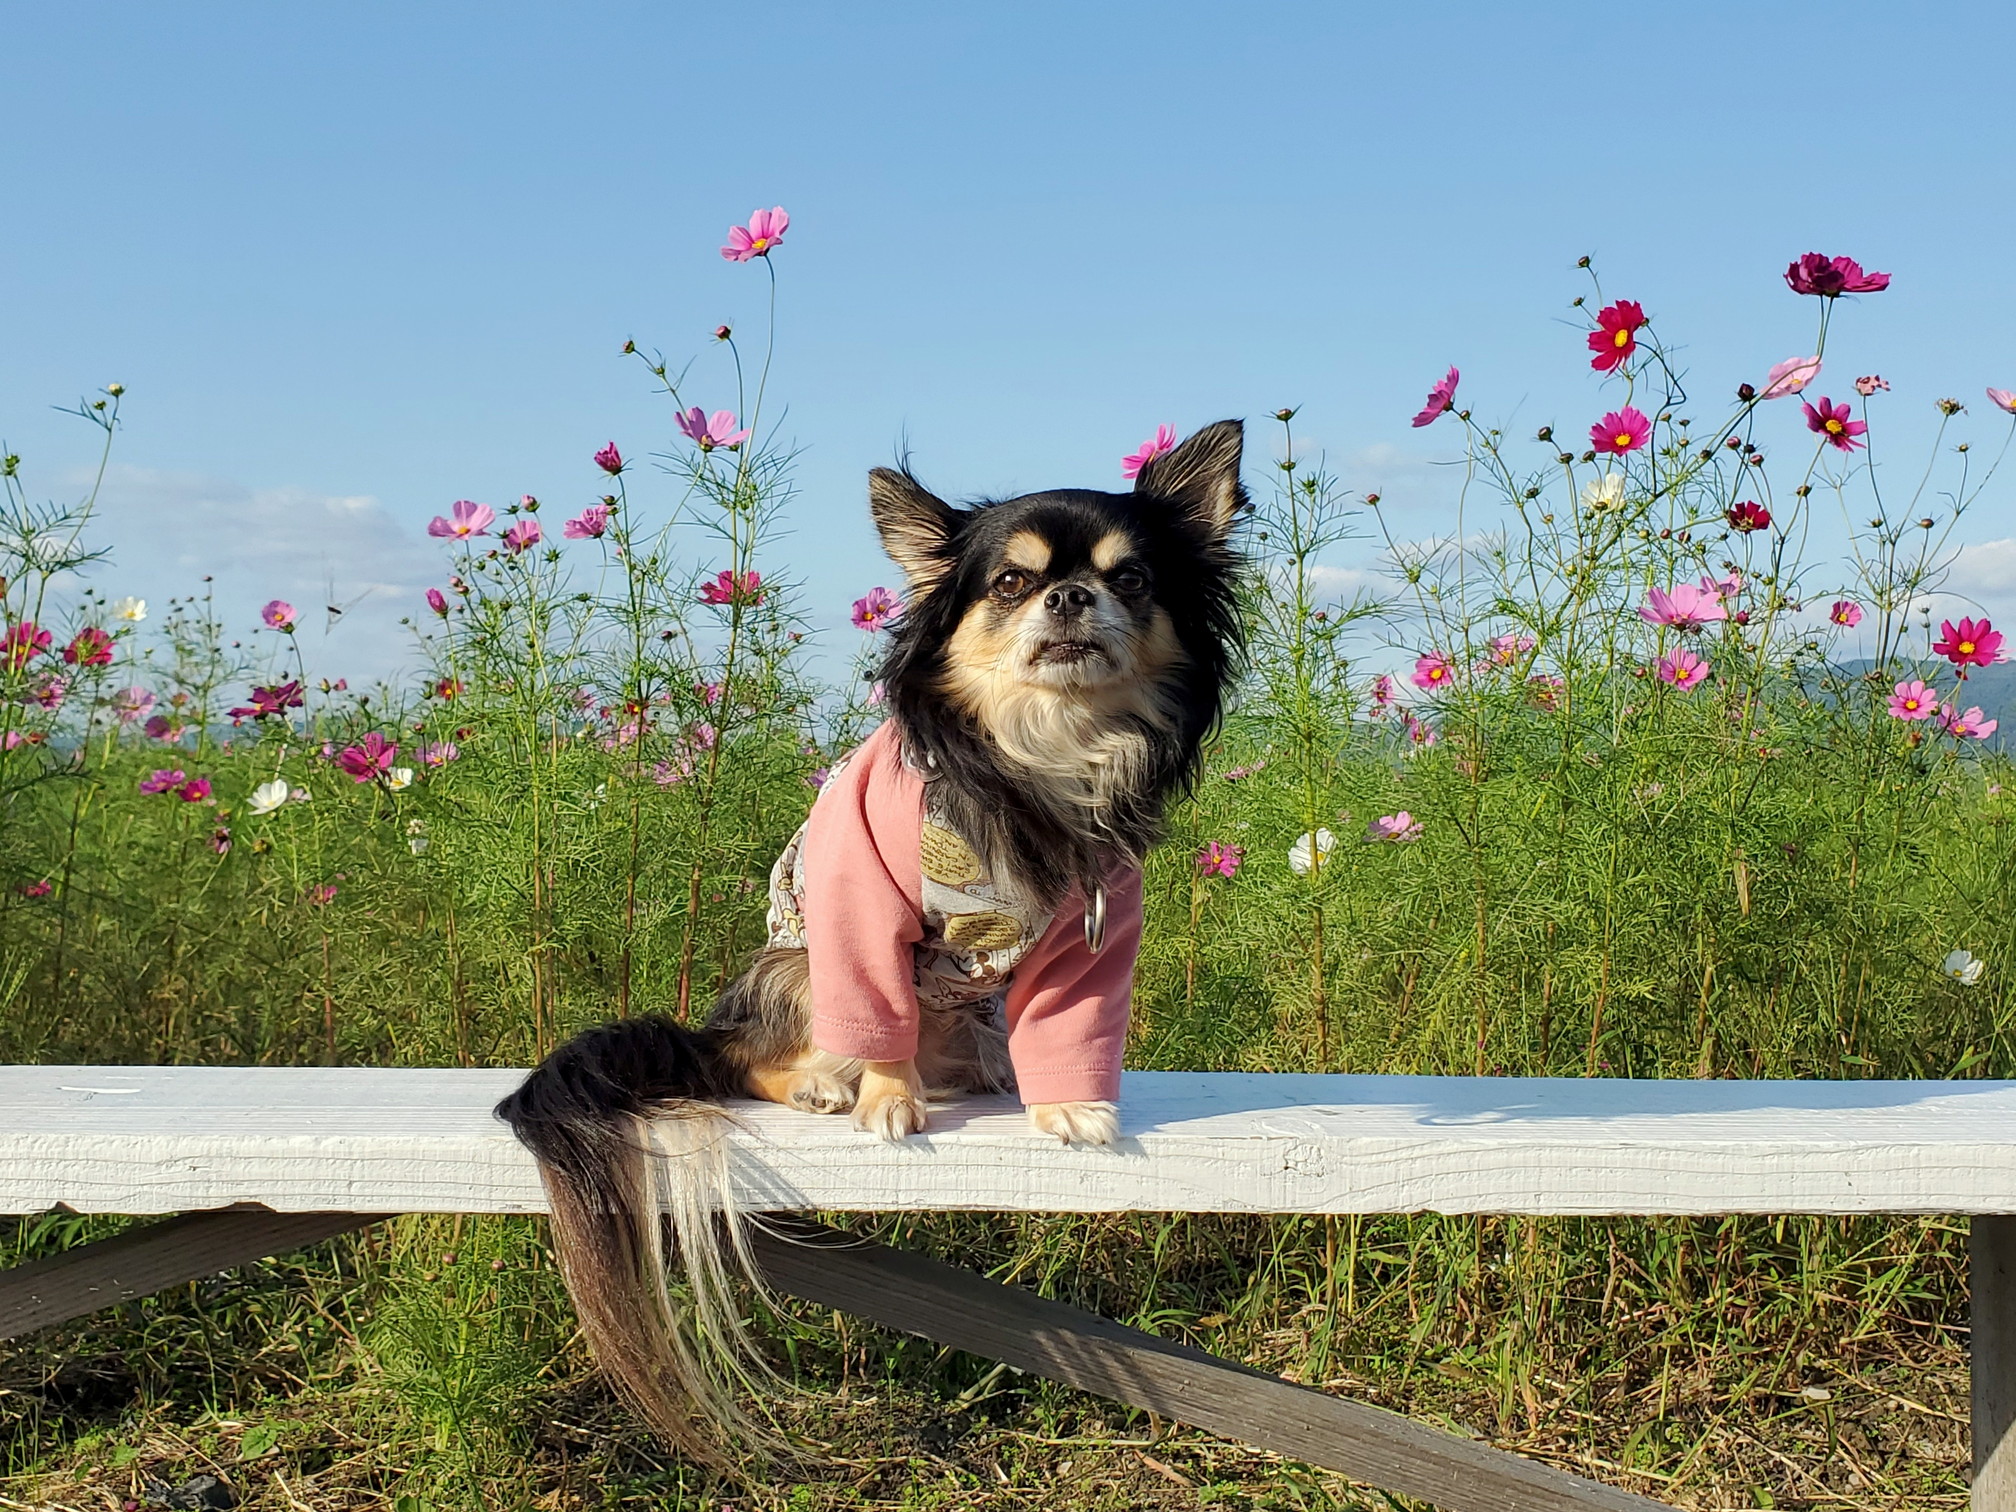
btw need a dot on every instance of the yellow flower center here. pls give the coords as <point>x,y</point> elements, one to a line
<point>1910,703</point>
<point>759,244</point>
<point>1834,427</point>
<point>1621,339</point>
<point>1966,648</point>
<point>1623,439</point>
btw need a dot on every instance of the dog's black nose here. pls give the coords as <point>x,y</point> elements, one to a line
<point>1068,600</point>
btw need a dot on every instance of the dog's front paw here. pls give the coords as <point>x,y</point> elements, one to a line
<point>890,1101</point>
<point>1091,1123</point>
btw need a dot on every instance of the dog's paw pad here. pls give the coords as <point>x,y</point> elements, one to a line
<point>812,1092</point>
<point>1088,1123</point>
<point>892,1117</point>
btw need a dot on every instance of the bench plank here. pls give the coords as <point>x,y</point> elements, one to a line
<point>169,1139</point>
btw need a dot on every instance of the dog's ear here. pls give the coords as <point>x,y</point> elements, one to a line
<point>915,524</point>
<point>1201,477</point>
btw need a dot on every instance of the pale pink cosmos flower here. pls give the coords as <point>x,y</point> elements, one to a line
<point>1507,649</point>
<point>1846,612</point>
<point>2003,399</point>
<point>876,609</point>
<point>1723,587</point>
<point>1790,376</point>
<point>709,431</point>
<point>522,537</point>
<point>589,524</point>
<point>1163,441</point>
<point>1684,607</point>
<point>280,615</point>
<point>1968,726</point>
<point>1683,669</point>
<point>465,518</point>
<point>132,704</point>
<point>1913,700</point>
<point>1395,829</point>
<point>1867,385</point>
<point>1419,731</point>
<point>437,753</point>
<point>1383,691</point>
<point>759,238</point>
<point>1435,670</point>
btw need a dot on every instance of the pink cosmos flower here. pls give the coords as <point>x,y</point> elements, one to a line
<point>1683,669</point>
<point>1419,731</point>
<point>279,615</point>
<point>1846,612</point>
<point>609,459</point>
<point>1506,649</point>
<point>1831,277</point>
<point>1683,606</point>
<point>1616,335</point>
<point>1395,829</point>
<point>23,642</point>
<point>220,840</point>
<point>523,536</point>
<point>765,230</point>
<point>448,689</point>
<point>195,790</point>
<point>1545,690</point>
<point>1441,399</point>
<point>1164,440</point>
<point>163,729</point>
<point>132,704</point>
<point>710,692</point>
<point>1971,643</point>
<point>1790,376</point>
<point>436,753</point>
<point>49,695</point>
<point>876,609</point>
<point>709,431</point>
<point>163,780</point>
<point>1435,670</point>
<point>34,889</point>
<point>465,518</point>
<point>1217,860</point>
<point>91,648</point>
<point>2004,399</point>
<point>733,588</point>
<point>1913,700</point>
<point>321,895</point>
<point>1383,690</point>
<point>1868,385</point>
<point>270,703</point>
<point>367,760</point>
<point>1968,726</point>
<point>589,524</point>
<point>1621,431</point>
<point>1749,516</point>
<point>438,602</point>
<point>1830,422</point>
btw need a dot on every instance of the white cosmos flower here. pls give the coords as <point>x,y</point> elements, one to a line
<point>1605,494</point>
<point>416,836</point>
<point>132,610</point>
<point>1961,966</point>
<point>1310,851</point>
<point>268,796</point>
<point>399,778</point>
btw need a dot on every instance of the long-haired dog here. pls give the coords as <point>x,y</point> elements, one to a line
<point>961,911</point>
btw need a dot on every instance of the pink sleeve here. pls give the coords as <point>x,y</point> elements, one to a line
<point>1067,1008</point>
<point>863,904</point>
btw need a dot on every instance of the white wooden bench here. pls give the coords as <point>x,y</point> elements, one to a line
<point>258,1160</point>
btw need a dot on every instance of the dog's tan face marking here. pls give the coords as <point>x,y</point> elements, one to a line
<point>1027,550</point>
<point>1114,547</point>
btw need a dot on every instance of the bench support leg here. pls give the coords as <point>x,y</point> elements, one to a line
<point>1992,1287</point>
<point>951,1306</point>
<point>144,1260</point>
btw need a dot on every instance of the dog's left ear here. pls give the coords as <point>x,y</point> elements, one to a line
<point>1201,477</point>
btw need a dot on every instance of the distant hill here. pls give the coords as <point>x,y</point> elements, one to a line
<point>1993,688</point>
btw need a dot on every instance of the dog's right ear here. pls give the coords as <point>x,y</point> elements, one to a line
<point>916,526</point>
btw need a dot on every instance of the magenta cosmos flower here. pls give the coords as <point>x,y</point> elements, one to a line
<point>2003,399</point>
<point>1790,376</point>
<point>163,780</point>
<point>1684,607</point>
<point>709,431</point>
<point>1846,612</point>
<point>1913,700</point>
<point>465,518</point>
<point>1435,670</point>
<point>1831,423</point>
<point>372,757</point>
<point>1621,431</point>
<point>23,641</point>
<point>757,239</point>
<point>609,459</point>
<point>875,609</point>
<point>1441,399</point>
<point>1683,669</point>
<point>1395,829</point>
<point>1219,860</point>
<point>438,602</point>
<point>91,648</point>
<point>270,703</point>
<point>1616,335</point>
<point>589,524</point>
<point>1968,726</point>
<point>1831,277</point>
<point>1749,516</point>
<point>733,588</point>
<point>523,536</point>
<point>195,790</point>
<point>1971,643</point>
<point>279,615</point>
<point>1163,441</point>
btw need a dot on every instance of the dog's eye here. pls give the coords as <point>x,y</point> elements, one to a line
<point>1130,579</point>
<point>1011,584</point>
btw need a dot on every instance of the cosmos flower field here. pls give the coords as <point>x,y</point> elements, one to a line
<point>1627,777</point>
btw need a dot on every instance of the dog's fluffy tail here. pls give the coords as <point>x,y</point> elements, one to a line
<point>589,1113</point>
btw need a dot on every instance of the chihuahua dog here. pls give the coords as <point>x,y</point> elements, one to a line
<point>960,912</point>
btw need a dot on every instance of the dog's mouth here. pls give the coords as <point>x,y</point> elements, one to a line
<point>1069,653</point>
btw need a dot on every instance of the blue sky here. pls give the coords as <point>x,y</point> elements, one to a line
<point>354,262</point>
